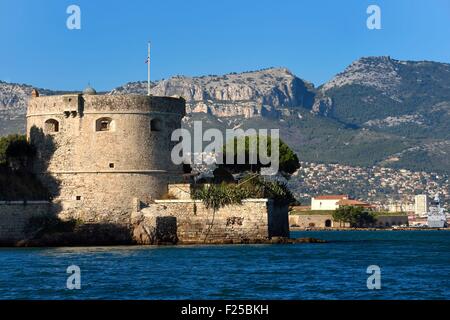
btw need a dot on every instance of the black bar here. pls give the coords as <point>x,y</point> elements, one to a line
<point>223,309</point>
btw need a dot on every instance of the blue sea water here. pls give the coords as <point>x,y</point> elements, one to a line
<point>414,265</point>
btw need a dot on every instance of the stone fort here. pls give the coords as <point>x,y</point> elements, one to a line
<point>98,152</point>
<point>106,160</point>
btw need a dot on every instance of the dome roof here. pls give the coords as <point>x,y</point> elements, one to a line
<point>89,90</point>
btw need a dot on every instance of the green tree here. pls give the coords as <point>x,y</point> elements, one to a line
<point>16,151</point>
<point>253,186</point>
<point>288,160</point>
<point>355,216</point>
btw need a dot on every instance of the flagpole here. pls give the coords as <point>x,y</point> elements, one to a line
<point>148,70</point>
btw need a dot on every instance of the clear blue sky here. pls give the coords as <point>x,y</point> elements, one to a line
<point>314,39</point>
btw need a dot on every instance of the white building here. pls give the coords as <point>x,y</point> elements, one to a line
<point>328,202</point>
<point>421,205</point>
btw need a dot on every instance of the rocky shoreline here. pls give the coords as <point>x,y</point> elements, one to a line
<point>70,240</point>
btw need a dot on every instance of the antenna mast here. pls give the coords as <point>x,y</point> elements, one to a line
<point>148,71</point>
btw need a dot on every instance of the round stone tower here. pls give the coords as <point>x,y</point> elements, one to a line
<point>98,153</point>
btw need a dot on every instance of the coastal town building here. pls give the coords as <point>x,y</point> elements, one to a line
<point>333,202</point>
<point>376,185</point>
<point>421,205</point>
<point>354,203</point>
<point>303,220</point>
<point>327,202</point>
<point>320,213</point>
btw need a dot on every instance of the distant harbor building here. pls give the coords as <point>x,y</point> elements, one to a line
<point>421,205</point>
<point>354,203</point>
<point>436,214</point>
<point>333,202</point>
<point>307,219</point>
<point>301,217</point>
<point>327,202</point>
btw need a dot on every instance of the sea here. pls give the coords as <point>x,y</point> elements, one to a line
<point>351,265</point>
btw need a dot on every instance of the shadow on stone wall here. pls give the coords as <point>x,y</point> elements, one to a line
<point>17,181</point>
<point>50,231</point>
<point>45,148</point>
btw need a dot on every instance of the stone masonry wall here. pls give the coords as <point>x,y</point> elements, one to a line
<point>180,190</point>
<point>255,220</point>
<point>107,197</point>
<point>14,217</point>
<point>311,220</point>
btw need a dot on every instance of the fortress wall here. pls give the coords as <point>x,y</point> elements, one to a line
<point>255,220</point>
<point>180,190</point>
<point>104,103</point>
<point>130,144</point>
<point>105,197</point>
<point>311,220</point>
<point>278,217</point>
<point>14,217</point>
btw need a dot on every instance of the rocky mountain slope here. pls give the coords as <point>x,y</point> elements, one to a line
<point>266,92</point>
<point>13,100</point>
<point>13,104</point>
<point>410,98</point>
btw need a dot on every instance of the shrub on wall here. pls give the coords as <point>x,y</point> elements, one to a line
<point>219,195</point>
<point>216,196</point>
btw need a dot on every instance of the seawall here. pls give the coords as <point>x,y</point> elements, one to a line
<point>190,221</point>
<point>14,217</point>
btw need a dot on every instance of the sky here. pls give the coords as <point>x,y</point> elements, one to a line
<point>314,39</point>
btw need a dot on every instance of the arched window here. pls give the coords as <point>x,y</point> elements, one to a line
<point>51,126</point>
<point>103,124</point>
<point>328,223</point>
<point>155,125</point>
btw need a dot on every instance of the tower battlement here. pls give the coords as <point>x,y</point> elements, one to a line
<point>82,104</point>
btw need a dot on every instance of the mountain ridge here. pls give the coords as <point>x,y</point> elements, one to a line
<point>252,93</point>
<point>377,110</point>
